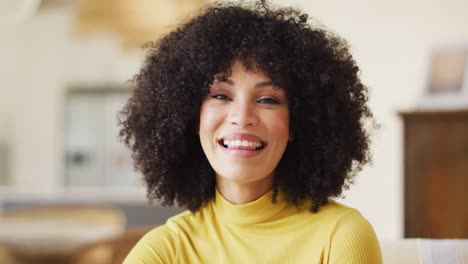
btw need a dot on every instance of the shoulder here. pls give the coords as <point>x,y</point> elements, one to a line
<point>331,215</point>
<point>335,209</point>
<point>348,219</point>
<point>341,214</point>
<point>353,239</point>
<point>159,244</point>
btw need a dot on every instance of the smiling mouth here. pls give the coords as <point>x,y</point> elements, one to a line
<point>237,144</point>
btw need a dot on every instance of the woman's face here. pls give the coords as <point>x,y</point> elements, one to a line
<point>244,126</point>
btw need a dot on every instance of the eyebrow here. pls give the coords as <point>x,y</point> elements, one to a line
<point>257,85</point>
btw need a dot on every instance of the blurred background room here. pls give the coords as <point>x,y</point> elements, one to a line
<point>68,190</point>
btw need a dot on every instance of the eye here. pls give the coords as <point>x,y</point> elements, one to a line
<point>220,97</point>
<point>268,100</point>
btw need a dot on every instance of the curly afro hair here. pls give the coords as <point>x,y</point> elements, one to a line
<point>327,101</point>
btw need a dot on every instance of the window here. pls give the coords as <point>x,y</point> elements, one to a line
<point>94,155</point>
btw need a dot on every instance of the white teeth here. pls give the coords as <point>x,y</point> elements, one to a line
<point>241,143</point>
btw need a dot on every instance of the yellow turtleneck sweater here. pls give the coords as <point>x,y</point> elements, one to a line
<point>260,232</point>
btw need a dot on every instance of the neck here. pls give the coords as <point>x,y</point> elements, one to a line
<point>242,193</point>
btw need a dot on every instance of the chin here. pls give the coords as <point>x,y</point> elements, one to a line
<point>242,176</point>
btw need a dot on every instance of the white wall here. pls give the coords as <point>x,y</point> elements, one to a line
<point>391,42</point>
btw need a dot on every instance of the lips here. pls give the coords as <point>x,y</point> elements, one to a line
<point>242,141</point>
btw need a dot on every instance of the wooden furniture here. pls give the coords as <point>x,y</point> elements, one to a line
<point>75,213</point>
<point>110,251</point>
<point>436,174</point>
<point>6,256</point>
<point>50,234</point>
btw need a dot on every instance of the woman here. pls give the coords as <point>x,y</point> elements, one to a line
<point>252,119</point>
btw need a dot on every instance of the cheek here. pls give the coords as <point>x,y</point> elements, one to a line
<point>280,125</point>
<point>209,120</point>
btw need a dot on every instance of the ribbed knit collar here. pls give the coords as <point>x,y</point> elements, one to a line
<point>258,211</point>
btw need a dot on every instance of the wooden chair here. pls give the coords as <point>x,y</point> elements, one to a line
<point>73,213</point>
<point>7,257</point>
<point>112,251</point>
<point>52,234</point>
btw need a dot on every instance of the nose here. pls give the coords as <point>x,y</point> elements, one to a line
<point>242,114</point>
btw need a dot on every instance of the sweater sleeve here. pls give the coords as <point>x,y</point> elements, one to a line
<point>354,241</point>
<point>155,247</point>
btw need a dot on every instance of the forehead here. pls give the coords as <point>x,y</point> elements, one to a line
<point>250,71</point>
<point>238,67</point>
<point>239,74</point>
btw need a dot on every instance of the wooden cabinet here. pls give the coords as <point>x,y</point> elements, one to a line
<point>436,174</point>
